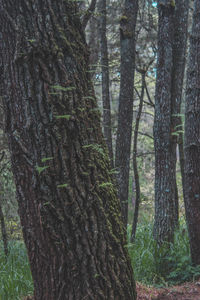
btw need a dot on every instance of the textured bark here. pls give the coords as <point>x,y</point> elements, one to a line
<point>172,41</point>
<point>68,207</point>
<point>107,127</point>
<point>135,168</point>
<point>125,111</point>
<point>3,232</point>
<point>165,159</point>
<point>179,57</point>
<point>2,220</point>
<point>192,142</point>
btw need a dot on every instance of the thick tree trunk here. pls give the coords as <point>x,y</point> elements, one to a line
<point>192,134</point>
<point>125,111</point>
<point>165,158</point>
<point>107,126</point>
<point>68,207</point>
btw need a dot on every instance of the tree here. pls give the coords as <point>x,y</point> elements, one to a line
<point>165,173</point>
<point>105,78</point>
<point>192,131</point>
<point>68,206</point>
<point>135,167</point>
<point>2,219</point>
<point>125,111</point>
<point>172,39</point>
<point>178,70</point>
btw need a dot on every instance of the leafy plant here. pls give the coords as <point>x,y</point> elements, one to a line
<point>15,275</point>
<point>146,257</point>
<point>41,169</point>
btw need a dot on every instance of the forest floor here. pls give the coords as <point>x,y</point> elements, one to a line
<point>186,291</point>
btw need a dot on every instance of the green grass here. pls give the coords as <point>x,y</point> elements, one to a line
<point>146,258</point>
<point>16,280</point>
<point>15,275</point>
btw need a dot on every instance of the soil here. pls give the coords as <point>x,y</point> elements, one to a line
<point>186,291</point>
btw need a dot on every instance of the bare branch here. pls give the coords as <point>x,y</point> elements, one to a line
<point>88,13</point>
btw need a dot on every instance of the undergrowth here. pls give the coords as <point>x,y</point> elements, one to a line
<point>146,258</point>
<point>15,275</point>
<point>16,280</point>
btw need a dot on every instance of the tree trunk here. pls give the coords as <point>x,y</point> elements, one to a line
<point>125,111</point>
<point>192,133</point>
<point>93,43</point>
<point>3,232</point>
<point>107,127</point>
<point>68,207</point>
<point>165,160</point>
<point>135,168</point>
<point>178,70</point>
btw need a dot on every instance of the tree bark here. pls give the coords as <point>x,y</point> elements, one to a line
<point>192,133</point>
<point>165,158</point>
<point>68,206</point>
<point>107,126</point>
<point>178,70</point>
<point>135,168</point>
<point>3,232</point>
<point>125,110</point>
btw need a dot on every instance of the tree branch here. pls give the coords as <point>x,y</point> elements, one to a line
<point>88,13</point>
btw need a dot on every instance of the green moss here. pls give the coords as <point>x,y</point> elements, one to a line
<point>173,3</point>
<point>124,18</point>
<point>105,185</point>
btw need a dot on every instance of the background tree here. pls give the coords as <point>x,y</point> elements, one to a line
<point>105,78</point>
<point>125,111</point>
<point>178,70</point>
<point>67,202</point>
<point>165,173</point>
<point>192,133</point>
<point>172,40</point>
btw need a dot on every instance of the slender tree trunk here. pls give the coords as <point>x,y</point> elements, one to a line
<point>2,220</point>
<point>135,168</point>
<point>179,55</point>
<point>68,207</point>
<point>192,134</point>
<point>172,41</point>
<point>125,111</point>
<point>93,43</point>
<point>107,126</point>
<point>165,159</point>
<point>3,232</point>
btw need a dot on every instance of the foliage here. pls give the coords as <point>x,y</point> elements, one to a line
<point>16,281</point>
<point>146,258</point>
<point>15,275</point>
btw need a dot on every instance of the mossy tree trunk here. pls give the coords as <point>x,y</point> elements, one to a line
<point>192,142</point>
<point>125,110</point>
<point>68,206</point>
